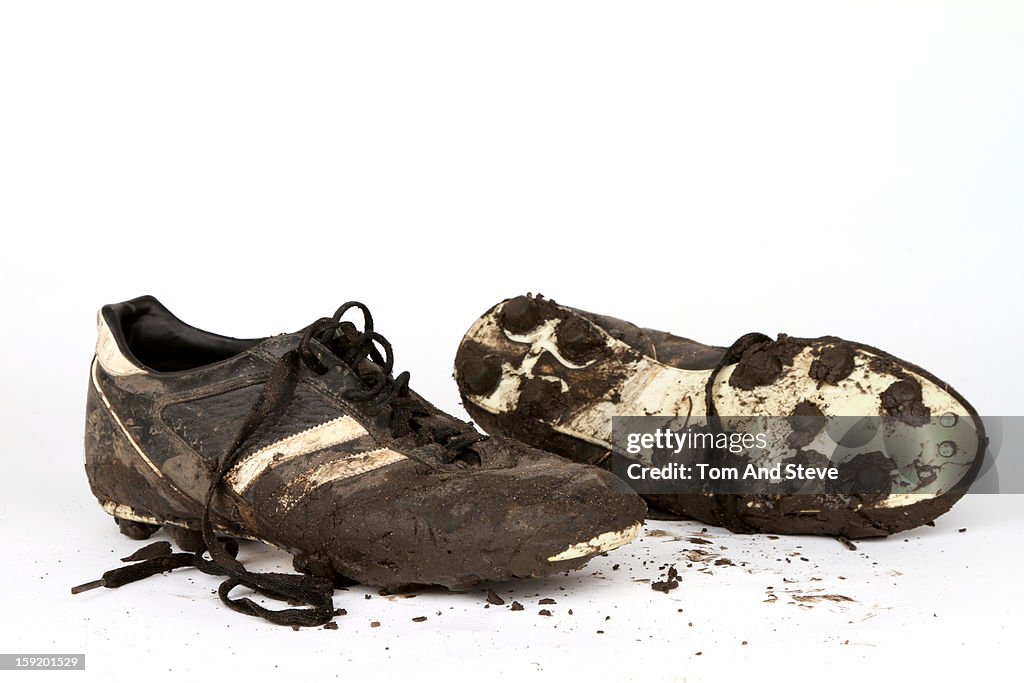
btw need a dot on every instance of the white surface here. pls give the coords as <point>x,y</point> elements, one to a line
<point>712,169</point>
<point>933,601</point>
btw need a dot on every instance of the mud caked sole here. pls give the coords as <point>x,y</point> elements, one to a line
<point>140,526</point>
<point>522,374</point>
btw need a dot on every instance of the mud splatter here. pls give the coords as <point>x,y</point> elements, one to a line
<point>826,597</point>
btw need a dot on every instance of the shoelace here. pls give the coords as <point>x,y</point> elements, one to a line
<point>358,350</point>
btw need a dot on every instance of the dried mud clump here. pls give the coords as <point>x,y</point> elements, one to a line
<point>902,400</point>
<point>834,364</point>
<point>763,362</point>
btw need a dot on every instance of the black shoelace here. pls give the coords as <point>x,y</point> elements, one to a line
<point>409,416</point>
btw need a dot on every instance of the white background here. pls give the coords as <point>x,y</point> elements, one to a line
<point>709,168</point>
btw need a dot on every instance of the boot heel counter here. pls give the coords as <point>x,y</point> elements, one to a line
<point>99,440</point>
<point>111,459</point>
<point>120,473</point>
<point>108,453</point>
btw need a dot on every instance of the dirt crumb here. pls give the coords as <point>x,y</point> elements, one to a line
<point>671,581</point>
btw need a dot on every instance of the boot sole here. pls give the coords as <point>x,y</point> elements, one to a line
<point>586,385</point>
<point>139,526</point>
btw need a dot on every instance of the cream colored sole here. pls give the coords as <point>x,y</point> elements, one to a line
<point>653,388</point>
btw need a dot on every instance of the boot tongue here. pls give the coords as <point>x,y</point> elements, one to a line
<point>436,427</point>
<point>455,438</point>
<point>428,425</point>
<point>365,367</point>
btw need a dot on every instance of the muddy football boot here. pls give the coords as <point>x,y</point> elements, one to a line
<point>553,377</point>
<point>309,443</point>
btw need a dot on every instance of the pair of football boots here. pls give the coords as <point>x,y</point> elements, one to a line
<point>311,442</point>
